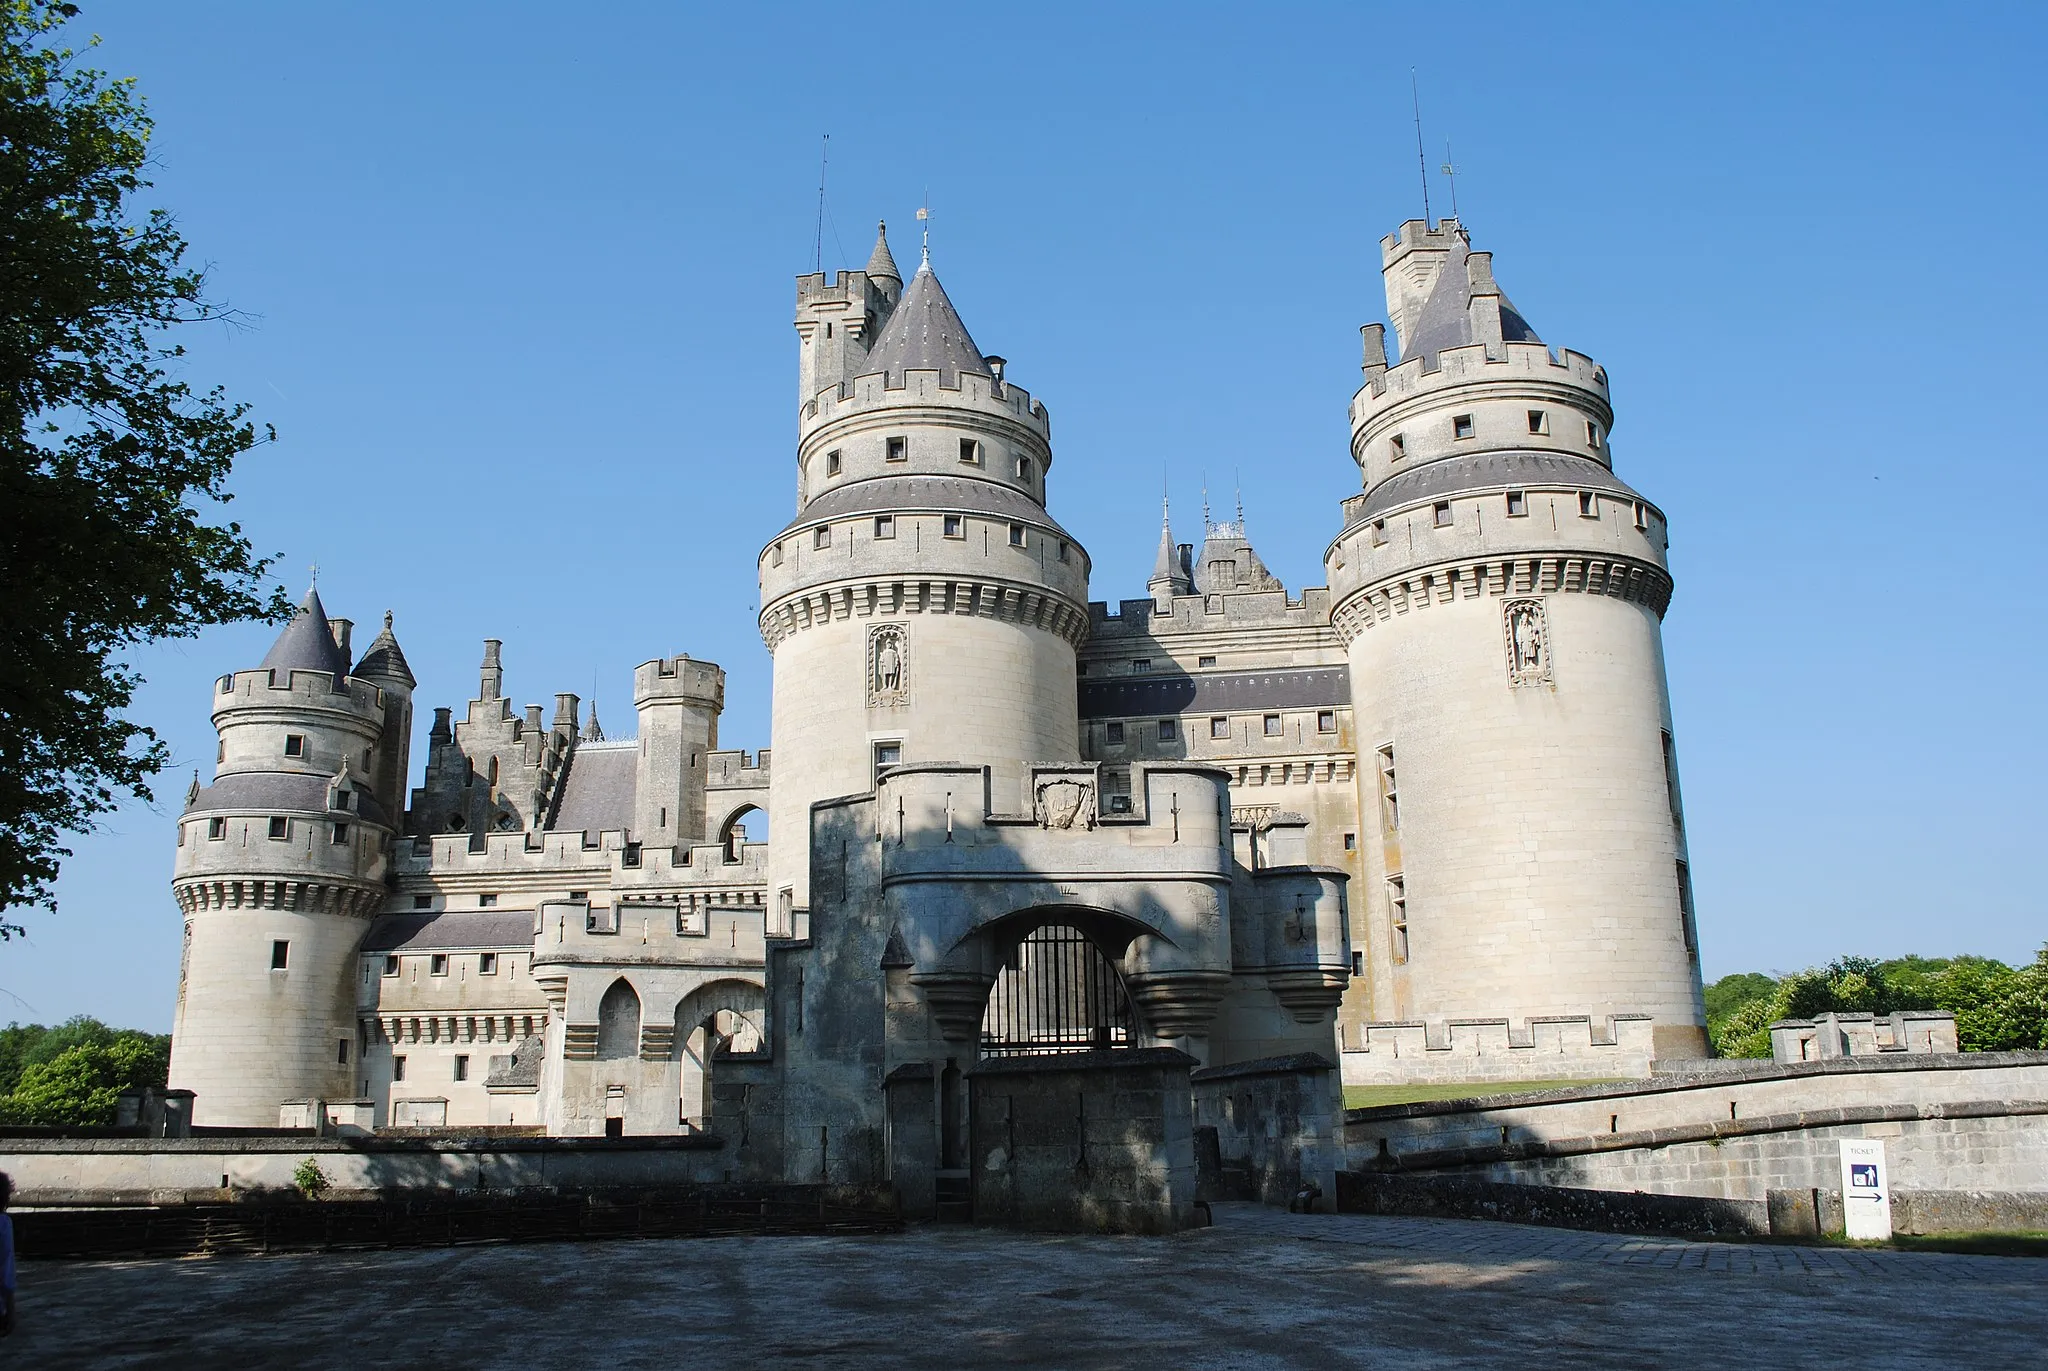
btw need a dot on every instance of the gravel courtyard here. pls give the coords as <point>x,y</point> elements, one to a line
<point>1261,1289</point>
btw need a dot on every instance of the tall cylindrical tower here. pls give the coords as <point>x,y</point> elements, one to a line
<point>922,606</point>
<point>1501,593</point>
<point>281,862</point>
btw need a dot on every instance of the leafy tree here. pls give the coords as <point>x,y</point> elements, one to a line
<point>1731,992</point>
<point>109,464</point>
<point>1998,1008</point>
<point>78,1086</point>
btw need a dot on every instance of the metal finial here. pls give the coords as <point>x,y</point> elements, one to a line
<point>924,217</point>
<point>1451,174</point>
<point>314,569</point>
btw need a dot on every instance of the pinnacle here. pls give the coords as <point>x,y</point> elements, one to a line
<point>881,263</point>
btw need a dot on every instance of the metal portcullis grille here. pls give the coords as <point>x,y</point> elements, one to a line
<point>1057,993</point>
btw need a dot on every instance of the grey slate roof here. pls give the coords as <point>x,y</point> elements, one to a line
<point>385,658</point>
<point>1490,471</point>
<point>880,262</point>
<point>597,794</point>
<point>925,334</point>
<point>1446,318</point>
<point>489,929</point>
<point>278,792</point>
<point>1222,692</point>
<point>307,643</point>
<point>912,494</point>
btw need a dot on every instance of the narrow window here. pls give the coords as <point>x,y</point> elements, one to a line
<point>1272,725</point>
<point>1461,426</point>
<point>294,745</point>
<point>344,799</point>
<point>1113,733</point>
<point>629,857</point>
<point>885,526</point>
<point>832,463</point>
<point>391,965</point>
<point>1642,515</point>
<point>896,449</point>
<point>341,1051</point>
<point>1025,469</point>
<point>280,954</point>
<point>1442,512</point>
<point>1139,664</point>
<point>280,829</point>
<point>1671,782</point>
<point>1686,930</point>
<point>1016,535</point>
<point>462,1066</point>
<point>1351,842</point>
<point>486,901</point>
<point>955,527</point>
<point>423,902</point>
<point>1219,727</point>
<point>775,555</point>
<point>970,450</point>
<point>1169,730</point>
<point>1397,912</point>
<point>1397,447</point>
<point>1326,721</point>
<point>1390,797</point>
<point>1518,504</point>
<point>340,835</point>
<point>398,1068</point>
<point>1539,422</point>
<point>1204,661</point>
<point>1589,505</point>
<point>1358,964</point>
<point>216,828</point>
<point>887,755</point>
<point>1592,434</point>
<point>437,965</point>
<point>1063,549</point>
<point>486,963</point>
<point>1379,533</point>
<point>821,537</point>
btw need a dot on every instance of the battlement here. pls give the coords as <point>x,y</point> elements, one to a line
<point>977,392</point>
<point>736,769</point>
<point>962,805</point>
<point>314,691</point>
<point>1561,1047</point>
<point>679,678</point>
<point>1478,364</point>
<point>1210,613</point>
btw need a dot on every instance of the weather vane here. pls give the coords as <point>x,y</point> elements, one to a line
<point>924,217</point>
<point>1451,175</point>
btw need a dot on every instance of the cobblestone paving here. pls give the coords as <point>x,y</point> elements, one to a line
<point>1262,1289</point>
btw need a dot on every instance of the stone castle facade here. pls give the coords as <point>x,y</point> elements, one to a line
<point>1416,820</point>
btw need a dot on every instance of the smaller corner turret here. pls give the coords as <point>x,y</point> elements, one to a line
<point>678,700</point>
<point>837,321</point>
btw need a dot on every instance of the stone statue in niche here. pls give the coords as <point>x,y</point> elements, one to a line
<point>888,666</point>
<point>1062,801</point>
<point>1528,643</point>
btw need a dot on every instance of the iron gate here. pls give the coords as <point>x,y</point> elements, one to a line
<point>1057,993</point>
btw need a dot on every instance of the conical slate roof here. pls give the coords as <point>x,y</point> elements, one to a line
<point>880,263</point>
<point>1166,568</point>
<point>925,334</point>
<point>307,643</point>
<point>1446,317</point>
<point>385,658</point>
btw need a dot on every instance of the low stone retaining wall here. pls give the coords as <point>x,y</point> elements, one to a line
<point>1274,1122</point>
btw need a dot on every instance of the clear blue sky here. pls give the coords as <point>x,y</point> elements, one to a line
<point>521,287</point>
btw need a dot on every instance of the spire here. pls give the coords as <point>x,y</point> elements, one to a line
<point>924,333</point>
<point>881,265</point>
<point>592,731</point>
<point>307,643</point>
<point>385,659</point>
<point>1464,287</point>
<point>1168,576</point>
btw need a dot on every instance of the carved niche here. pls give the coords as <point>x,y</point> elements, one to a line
<point>1527,629</point>
<point>1063,801</point>
<point>888,665</point>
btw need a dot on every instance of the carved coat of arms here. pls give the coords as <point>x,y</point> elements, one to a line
<point>1063,801</point>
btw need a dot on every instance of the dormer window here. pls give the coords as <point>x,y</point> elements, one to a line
<point>895,449</point>
<point>1140,664</point>
<point>1461,426</point>
<point>344,798</point>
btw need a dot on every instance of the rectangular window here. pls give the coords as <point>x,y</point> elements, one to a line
<point>885,526</point>
<point>1589,505</point>
<point>398,1068</point>
<point>341,1051</point>
<point>629,857</point>
<point>1461,426</point>
<point>1272,725</point>
<point>437,965</point>
<point>1219,727</point>
<point>821,537</point>
<point>1169,730</point>
<point>1139,664</point>
<point>280,829</point>
<point>423,902</point>
<point>1358,964</point>
<point>1539,422</point>
<point>1326,721</point>
<point>1016,535</point>
<point>775,555</point>
<point>294,745</point>
<point>391,965</point>
<point>280,954</point>
<point>1397,913</point>
<point>486,901</point>
<point>1397,447</point>
<point>340,835</point>
<point>896,449</point>
<point>1351,842</point>
<point>1113,733</point>
<point>1379,533</point>
<point>216,828</point>
<point>955,526</point>
<point>887,755</point>
<point>1642,515</point>
<point>970,451</point>
<point>832,463</point>
<point>1671,782</point>
<point>461,1066</point>
<point>1063,549</point>
<point>344,799</point>
<point>1592,434</point>
<point>1686,928</point>
<point>1518,504</point>
<point>1390,798</point>
<point>1441,510</point>
<point>486,963</point>
<point>1025,469</point>
<point>1204,662</point>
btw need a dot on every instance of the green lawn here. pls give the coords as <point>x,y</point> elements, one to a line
<point>1368,1096</point>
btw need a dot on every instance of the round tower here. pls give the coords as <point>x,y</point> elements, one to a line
<point>922,606</point>
<point>281,862</point>
<point>1500,593</point>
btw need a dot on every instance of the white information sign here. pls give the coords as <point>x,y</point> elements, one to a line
<point>1866,1190</point>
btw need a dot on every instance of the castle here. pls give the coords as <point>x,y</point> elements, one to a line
<point>1425,820</point>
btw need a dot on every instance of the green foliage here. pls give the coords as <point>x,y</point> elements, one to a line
<point>310,1179</point>
<point>69,1075</point>
<point>1998,1008</point>
<point>108,462</point>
